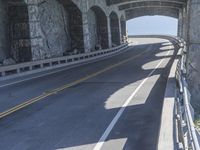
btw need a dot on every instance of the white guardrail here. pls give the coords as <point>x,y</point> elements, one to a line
<point>48,64</point>
<point>188,136</point>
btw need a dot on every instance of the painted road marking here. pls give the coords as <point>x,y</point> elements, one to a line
<point>103,138</point>
<point>52,92</point>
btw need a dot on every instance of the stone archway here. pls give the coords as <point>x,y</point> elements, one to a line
<point>62,28</point>
<point>15,33</point>
<point>114,26</point>
<point>98,28</point>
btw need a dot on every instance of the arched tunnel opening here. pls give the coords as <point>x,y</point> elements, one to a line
<point>75,25</point>
<point>14,28</point>
<point>62,28</point>
<point>115,31</point>
<point>98,28</point>
<point>150,25</point>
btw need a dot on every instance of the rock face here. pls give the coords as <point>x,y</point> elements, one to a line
<point>9,61</point>
<point>54,24</point>
<point>194,74</point>
<point>193,55</point>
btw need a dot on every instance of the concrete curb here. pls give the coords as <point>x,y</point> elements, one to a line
<point>167,134</point>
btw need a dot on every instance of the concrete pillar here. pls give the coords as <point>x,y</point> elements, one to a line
<point>123,29</point>
<point>185,23</point>
<point>109,32</point>
<point>120,31</point>
<point>36,41</point>
<point>193,56</point>
<point>180,23</point>
<point>86,34</point>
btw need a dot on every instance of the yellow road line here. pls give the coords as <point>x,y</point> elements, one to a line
<point>47,94</point>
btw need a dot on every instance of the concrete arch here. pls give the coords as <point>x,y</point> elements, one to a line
<point>78,3</point>
<point>115,28</point>
<point>150,4</point>
<point>139,12</point>
<point>98,27</point>
<point>99,4</point>
<point>119,2</point>
<point>103,5</point>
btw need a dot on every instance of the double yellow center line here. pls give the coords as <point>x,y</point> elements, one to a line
<point>55,91</point>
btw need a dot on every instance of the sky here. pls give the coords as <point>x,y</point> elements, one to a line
<point>152,25</point>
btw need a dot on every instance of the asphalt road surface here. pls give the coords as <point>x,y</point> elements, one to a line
<point>112,104</point>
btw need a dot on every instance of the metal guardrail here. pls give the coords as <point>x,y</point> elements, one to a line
<point>187,134</point>
<point>48,64</point>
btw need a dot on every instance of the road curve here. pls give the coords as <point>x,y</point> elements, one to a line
<point>113,104</point>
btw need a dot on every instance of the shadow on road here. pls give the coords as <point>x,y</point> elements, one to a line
<point>77,117</point>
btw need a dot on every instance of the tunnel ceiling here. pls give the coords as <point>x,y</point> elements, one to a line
<point>150,11</point>
<point>150,4</point>
<point>137,8</point>
<point>119,2</point>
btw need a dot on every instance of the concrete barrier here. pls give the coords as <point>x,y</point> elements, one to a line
<point>11,71</point>
<point>188,137</point>
<point>177,129</point>
<point>167,137</point>
<point>176,39</point>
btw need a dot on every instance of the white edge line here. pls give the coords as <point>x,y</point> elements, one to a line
<point>102,140</point>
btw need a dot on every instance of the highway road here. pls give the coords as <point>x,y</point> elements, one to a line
<point>112,104</point>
